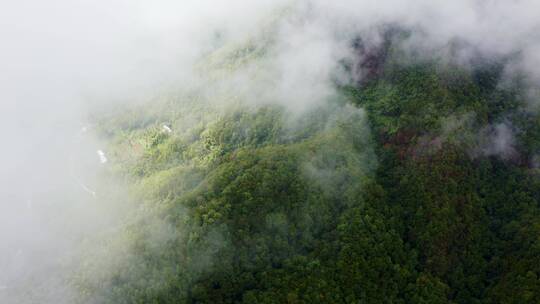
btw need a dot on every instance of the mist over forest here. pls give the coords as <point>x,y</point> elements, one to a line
<point>285,151</point>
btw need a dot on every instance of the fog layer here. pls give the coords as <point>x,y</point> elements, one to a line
<point>62,60</point>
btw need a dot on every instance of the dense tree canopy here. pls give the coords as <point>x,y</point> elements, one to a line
<point>391,194</point>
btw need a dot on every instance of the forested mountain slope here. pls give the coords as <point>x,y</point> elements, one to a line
<point>417,184</point>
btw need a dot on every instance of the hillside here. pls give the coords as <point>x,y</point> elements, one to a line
<point>417,184</point>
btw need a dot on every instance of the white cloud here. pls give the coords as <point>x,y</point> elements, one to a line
<point>60,58</point>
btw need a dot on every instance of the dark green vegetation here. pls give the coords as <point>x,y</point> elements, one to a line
<point>401,202</point>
